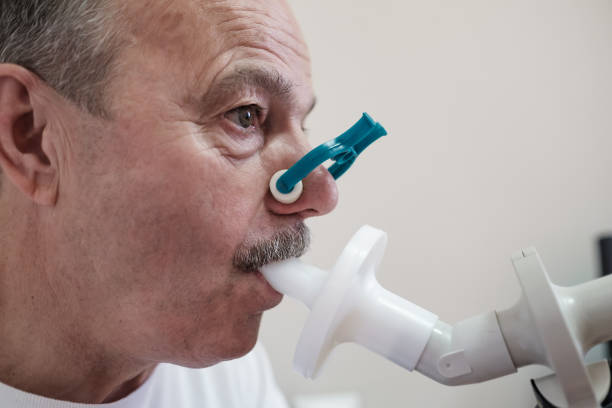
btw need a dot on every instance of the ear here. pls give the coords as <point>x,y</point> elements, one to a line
<point>24,150</point>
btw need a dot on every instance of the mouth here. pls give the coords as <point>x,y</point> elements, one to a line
<point>273,297</point>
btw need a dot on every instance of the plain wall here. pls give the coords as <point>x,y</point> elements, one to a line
<point>500,137</point>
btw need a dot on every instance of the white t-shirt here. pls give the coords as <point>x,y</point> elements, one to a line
<point>242,383</point>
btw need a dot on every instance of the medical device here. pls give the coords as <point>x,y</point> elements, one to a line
<point>549,325</point>
<point>286,185</point>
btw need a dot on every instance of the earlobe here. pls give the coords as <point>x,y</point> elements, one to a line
<point>22,138</point>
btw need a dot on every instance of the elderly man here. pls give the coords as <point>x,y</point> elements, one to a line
<point>137,139</point>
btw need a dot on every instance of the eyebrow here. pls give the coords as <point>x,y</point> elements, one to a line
<point>248,77</point>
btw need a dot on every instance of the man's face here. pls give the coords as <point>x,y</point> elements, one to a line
<point>207,102</point>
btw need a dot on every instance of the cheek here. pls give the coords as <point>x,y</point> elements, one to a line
<point>182,213</point>
<point>164,246</point>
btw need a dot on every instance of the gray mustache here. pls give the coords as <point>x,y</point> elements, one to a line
<point>287,243</point>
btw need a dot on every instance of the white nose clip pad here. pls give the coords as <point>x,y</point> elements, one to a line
<point>289,198</point>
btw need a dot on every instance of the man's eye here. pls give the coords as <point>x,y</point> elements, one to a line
<point>244,116</point>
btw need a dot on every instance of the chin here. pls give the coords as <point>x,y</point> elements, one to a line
<point>243,339</point>
<point>239,341</point>
<point>239,349</point>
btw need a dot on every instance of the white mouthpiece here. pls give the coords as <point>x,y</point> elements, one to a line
<point>296,279</point>
<point>348,305</point>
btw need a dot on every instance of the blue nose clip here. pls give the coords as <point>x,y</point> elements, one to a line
<point>343,150</point>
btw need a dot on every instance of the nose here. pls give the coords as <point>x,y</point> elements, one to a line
<point>319,196</point>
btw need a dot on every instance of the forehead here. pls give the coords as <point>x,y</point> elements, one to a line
<point>202,37</point>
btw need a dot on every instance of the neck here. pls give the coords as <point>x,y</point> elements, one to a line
<point>46,349</point>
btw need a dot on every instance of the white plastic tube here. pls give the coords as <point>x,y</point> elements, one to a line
<point>348,305</point>
<point>549,325</point>
<point>588,310</point>
<point>386,324</point>
<point>471,351</point>
<point>296,279</point>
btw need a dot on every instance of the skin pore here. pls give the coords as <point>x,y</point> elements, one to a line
<point>120,236</point>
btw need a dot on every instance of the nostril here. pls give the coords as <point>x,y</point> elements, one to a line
<point>310,213</point>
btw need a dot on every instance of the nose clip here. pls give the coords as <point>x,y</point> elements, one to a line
<point>286,185</point>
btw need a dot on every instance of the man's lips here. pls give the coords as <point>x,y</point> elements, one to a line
<point>262,278</point>
<point>274,295</point>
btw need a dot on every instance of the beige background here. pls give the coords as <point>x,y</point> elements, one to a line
<point>500,122</point>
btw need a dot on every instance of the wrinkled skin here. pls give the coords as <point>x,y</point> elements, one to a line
<point>120,232</point>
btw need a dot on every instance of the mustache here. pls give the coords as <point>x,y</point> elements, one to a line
<point>291,242</point>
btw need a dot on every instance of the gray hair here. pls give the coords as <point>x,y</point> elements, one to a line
<point>70,44</point>
<point>286,243</point>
